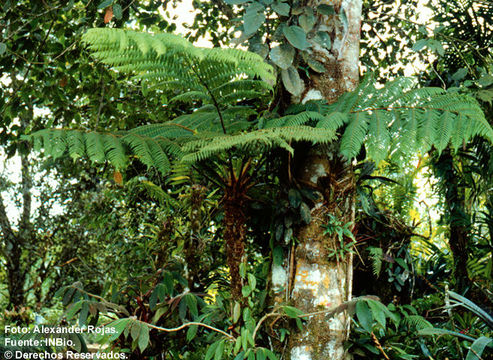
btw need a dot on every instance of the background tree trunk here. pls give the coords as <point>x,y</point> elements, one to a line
<point>315,280</point>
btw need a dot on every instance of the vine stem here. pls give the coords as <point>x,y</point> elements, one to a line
<point>229,336</point>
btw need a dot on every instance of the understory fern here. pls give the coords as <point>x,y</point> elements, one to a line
<point>376,257</point>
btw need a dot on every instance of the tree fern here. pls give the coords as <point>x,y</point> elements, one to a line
<point>396,118</point>
<point>255,142</point>
<point>172,62</point>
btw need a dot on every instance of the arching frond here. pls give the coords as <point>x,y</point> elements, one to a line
<point>170,61</point>
<point>255,142</point>
<point>399,117</point>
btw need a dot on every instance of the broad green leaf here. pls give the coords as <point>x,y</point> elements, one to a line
<point>326,9</point>
<point>282,55</point>
<point>68,296</point>
<point>364,315</point>
<point>84,313</point>
<point>377,313</point>
<point>246,290</point>
<point>236,312</point>
<point>420,44</point>
<point>73,308</point>
<point>119,325</point>
<point>135,330</point>
<point>438,331</point>
<point>306,21</point>
<point>281,8</point>
<point>143,337</point>
<point>477,348</point>
<point>292,81</point>
<point>322,38</point>
<point>294,197</point>
<point>460,74</point>
<point>484,81</point>
<point>252,20</point>
<point>305,213</point>
<point>104,4</point>
<point>212,350</point>
<point>117,11</point>
<point>315,65</point>
<point>191,332</point>
<point>252,281</point>
<point>191,301</point>
<point>219,351</point>
<point>3,48</point>
<point>292,312</point>
<point>296,37</point>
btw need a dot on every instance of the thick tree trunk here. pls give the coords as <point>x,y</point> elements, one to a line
<point>322,281</point>
<point>315,280</point>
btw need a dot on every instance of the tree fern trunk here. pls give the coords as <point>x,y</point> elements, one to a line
<point>316,280</point>
<point>234,236</point>
<point>457,217</point>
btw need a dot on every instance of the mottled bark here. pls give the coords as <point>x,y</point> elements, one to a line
<point>321,281</point>
<point>315,280</point>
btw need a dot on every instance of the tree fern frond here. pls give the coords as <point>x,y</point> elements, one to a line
<point>403,120</point>
<point>165,58</point>
<point>114,149</point>
<point>333,121</point>
<point>152,190</point>
<point>355,133</point>
<point>426,128</point>
<point>94,146</point>
<point>255,141</point>
<point>191,97</point>
<point>296,119</point>
<point>149,151</point>
<point>443,131</point>
<point>205,117</point>
<point>378,140</point>
<point>76,144</point>
<point>169,130</point>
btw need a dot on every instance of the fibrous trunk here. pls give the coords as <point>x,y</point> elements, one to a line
<point>234,236</point>
<point>315,280</point>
